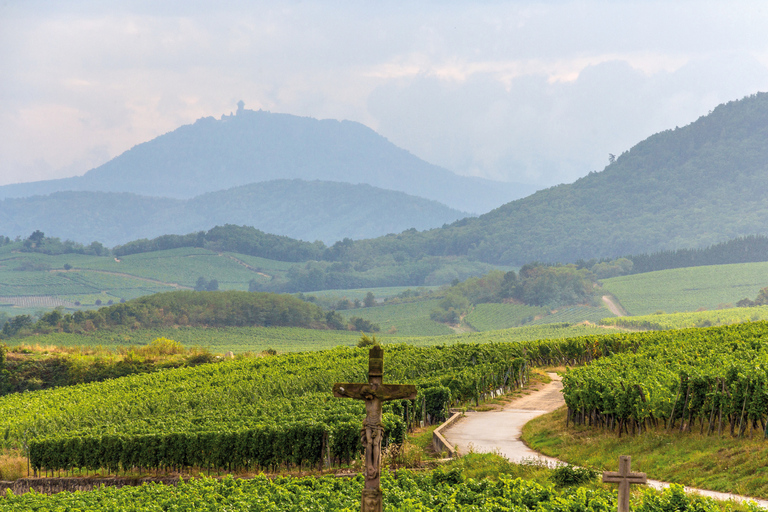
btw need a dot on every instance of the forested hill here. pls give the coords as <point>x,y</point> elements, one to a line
<point>684,188</point>
<point>251,147</point>
<point>305,210</point>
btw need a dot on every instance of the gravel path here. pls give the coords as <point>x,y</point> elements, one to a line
<point>501,430</point>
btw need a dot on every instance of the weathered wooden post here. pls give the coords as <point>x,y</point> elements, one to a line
<point>375,392</point>
<point>624,477</point>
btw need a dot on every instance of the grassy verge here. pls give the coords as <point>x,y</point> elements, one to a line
<point>707,462</point>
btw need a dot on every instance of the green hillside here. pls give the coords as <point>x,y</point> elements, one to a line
<point>688,289</point>
<point>684,188</point>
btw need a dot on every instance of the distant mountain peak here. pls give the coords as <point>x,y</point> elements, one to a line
<point>251,146</point>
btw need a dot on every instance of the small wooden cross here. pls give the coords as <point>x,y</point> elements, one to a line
<point>374,392</point>
<point>624,478</point>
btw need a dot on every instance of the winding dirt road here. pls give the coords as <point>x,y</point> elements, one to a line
<point>501,430</point>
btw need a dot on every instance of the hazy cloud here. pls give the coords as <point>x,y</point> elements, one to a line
<point>522,91</point>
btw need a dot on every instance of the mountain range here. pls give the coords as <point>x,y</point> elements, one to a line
<point>257,146</point>
<point>305,210</point>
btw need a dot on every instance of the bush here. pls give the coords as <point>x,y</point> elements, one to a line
<point>568,476</point>
<point>363,325</point>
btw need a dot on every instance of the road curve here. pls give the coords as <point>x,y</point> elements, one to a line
<point>501,430</point>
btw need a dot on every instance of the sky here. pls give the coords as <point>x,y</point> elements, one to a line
<point>531,92</point>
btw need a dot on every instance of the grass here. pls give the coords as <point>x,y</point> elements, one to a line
<point>690,319</point>
<point>688,289</point>
<point>708,462</point>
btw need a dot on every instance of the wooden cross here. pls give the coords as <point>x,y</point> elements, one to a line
<point>624,478</point>
<point>374,392</point>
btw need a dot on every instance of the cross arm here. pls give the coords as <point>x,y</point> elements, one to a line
<point>613,477</point>
<point>384,392</point>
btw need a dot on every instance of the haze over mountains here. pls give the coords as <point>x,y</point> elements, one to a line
<point>684,188</point>
<point>689,187</point>
<point>306,210</point>
<point>256,146</point>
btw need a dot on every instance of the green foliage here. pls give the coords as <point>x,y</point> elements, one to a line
<point>213,309</point>
<point>617,267</point>
<point>157,419</point>
<point>545,285</point>
<point>365,341</point>
<point>404,491</point>
<point>363,325</point>
<point>38,242</point>
<point>437,402</point>
<point>231,238</point>
<point>716,376</point>
<point>746,249</point>
<point>568,476</point>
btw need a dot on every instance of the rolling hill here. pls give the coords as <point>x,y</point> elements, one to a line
<point>316,210</point>
<point>250,147</point>
<point>684,188</point>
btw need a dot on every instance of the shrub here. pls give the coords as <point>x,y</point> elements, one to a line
<point>568,476</point>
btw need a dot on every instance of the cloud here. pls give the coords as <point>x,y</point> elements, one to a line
<point>517,90</point>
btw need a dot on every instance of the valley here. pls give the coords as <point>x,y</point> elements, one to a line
<point>200,337</point>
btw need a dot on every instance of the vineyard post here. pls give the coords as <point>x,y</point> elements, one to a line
<point>743,408</point>
<point>685,406</point>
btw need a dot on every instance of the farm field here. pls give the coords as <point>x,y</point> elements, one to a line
<point>575,314</point>
<point>690,319</point>
<point>217,340</point>
<point>280,406</point>
<point>445,489</point>
<point>291,339</point>
<point>408,319</point>
<point>92,278</point>
<point>379,293</point>
<point>688,289</point>
<point>489,317</point>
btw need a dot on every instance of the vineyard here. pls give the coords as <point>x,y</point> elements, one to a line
<point>410,319</point>
<point>688,289</point>
<point>293,339</point>
<point>690,319</point>
<point>574,314</point>
<point>252,413</point>
<point>716,377</point>
<point>490,317</point>
<point>404,491</point>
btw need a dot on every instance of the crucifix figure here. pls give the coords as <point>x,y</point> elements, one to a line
<point>624,477</point>
<point>374,392</point>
